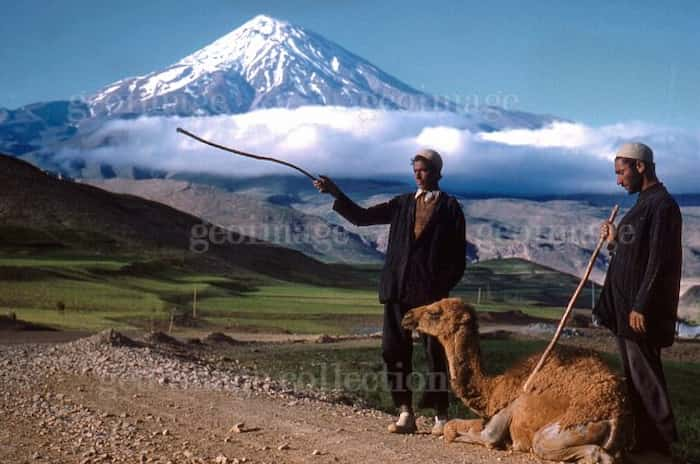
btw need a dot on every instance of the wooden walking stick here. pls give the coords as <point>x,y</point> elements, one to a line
<point>243,153</point>
<point>570,306</point>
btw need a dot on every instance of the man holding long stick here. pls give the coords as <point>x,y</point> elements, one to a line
<point>639,300</point>
<point>425,259</point>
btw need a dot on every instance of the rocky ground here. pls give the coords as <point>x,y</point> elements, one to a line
<point>110,398</point>
<point>107,398</point>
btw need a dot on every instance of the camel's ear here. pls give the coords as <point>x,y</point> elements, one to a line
<point>466,311</point>
<point>454,304</point>
<point>465,317</point>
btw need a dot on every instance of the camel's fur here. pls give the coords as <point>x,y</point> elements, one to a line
<point>575,402</point>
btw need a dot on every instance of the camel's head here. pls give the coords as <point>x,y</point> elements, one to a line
<point>442,318</point>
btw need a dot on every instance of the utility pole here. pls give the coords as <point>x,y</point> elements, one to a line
<point>172,320</point>
<point>194,304</point>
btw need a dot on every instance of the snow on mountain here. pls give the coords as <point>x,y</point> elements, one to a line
<point>264,63</point>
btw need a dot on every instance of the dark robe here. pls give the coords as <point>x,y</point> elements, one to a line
<point>644,275</point>
<point>645,270</point>
<point>416,271</point>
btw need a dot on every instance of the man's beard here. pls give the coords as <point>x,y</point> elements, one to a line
<point>636,184</point>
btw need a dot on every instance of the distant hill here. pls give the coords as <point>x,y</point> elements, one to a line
<point>255,216</point>
<point>560,234</point>
<point>39,211</point>
<point>689,305</point>
<point>37,126</point>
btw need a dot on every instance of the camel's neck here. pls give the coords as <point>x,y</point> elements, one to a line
<point>467,377</point>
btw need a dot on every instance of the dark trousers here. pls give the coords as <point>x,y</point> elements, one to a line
<point>649,401</point>
<point>397,351</point>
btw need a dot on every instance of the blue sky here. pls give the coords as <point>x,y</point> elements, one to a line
<point>596,62</point>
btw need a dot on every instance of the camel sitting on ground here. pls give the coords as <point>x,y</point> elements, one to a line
<point>573,411</point>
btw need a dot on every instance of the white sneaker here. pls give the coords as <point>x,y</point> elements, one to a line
<point>405,424</point>
<point>439,427</point>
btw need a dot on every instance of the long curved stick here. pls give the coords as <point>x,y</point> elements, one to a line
<point>570,306</point>
<point>243,153</point>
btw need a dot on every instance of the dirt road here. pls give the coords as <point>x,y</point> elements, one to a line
<point>96,402</point>
<point>109,398</point>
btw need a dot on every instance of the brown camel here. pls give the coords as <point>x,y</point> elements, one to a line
<point>574,410</point>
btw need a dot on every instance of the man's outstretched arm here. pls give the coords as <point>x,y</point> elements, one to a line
<point>357,215</point>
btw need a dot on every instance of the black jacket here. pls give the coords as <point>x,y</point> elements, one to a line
<point>416,271</point>
<point>645,270</point>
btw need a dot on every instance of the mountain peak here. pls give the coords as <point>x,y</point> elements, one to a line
<point>263,24</point>
<point>266,62</point>
<point>239,48</point>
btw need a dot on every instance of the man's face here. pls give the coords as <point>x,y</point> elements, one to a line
<point>628,176</point>
<point>426,179</point>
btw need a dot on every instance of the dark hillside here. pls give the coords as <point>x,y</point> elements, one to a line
<point>38,210</point>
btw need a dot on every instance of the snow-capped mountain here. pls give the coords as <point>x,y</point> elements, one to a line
<point>264,63</point>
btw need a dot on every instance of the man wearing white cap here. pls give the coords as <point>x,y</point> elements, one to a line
<point>425,259</point>
<point>639,300</point>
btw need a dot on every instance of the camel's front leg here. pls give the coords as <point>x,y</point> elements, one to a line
<point>463,429</point>
<point>494,433</point>
<point>581,444</point>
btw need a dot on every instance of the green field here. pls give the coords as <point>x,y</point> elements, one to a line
<point>355,371</point>
<point>93,292</point>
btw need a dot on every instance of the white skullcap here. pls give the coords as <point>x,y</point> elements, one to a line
<point>637,151</point>
<point>432,156</point>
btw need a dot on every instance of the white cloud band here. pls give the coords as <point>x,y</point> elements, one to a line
<point>561,157</point>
